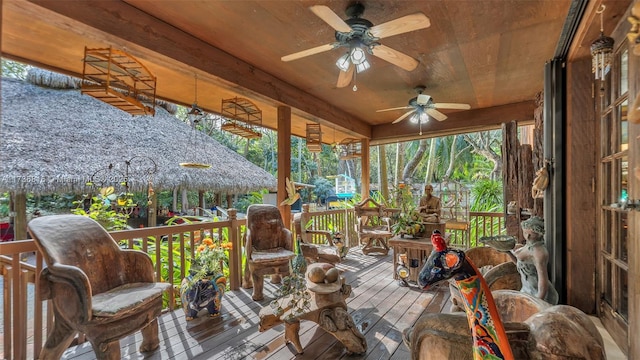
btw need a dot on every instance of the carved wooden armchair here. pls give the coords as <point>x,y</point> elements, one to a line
<point>373,227</point>
<point>269,247</point>
<point>96,288</point>
<point>313,252</point>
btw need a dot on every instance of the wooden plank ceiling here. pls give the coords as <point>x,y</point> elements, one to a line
<point>488,54</point>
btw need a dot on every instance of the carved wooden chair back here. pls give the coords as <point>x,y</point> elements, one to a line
<point>371,216</point>
<point>265,228</point>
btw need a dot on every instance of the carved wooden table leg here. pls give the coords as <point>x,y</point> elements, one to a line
<point>292,334</point>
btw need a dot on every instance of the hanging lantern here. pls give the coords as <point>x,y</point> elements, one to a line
<point>314,138</point>
<point>601,51</point>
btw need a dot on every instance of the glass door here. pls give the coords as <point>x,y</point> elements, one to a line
<point>612,278</point>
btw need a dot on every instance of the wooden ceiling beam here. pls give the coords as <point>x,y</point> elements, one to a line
<point>131,24</point>
<point>457,123</point>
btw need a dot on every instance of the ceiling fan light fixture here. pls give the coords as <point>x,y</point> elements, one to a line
<point>362,66</point>
<point>420,117</point>
<point>343,62</point>
<point>357,55</point>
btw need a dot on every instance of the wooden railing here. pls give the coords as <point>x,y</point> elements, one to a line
<point>466,235</point>
<point>24,316</point>
<point>342,220</point>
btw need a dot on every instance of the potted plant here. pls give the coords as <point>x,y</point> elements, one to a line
<point>206,283</point>
<point>408,221</point>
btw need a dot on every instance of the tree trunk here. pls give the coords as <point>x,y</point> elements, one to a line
<point>400,147</point>
<point>482,146</point>
<point>413,163</point>
<point>174,204</point>
<point>382,171</point>
<point>431,162</point>
<point>452,159</point>
<point>185,201</point>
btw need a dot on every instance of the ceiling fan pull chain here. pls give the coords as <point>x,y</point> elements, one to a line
<point>420,122</point>
<point>355,87</point>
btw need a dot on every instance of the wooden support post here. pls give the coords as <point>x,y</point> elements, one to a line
<point>235,255</point>
<point>201,203</point>
<point>20,216</point>
<point>364,148</point>
<point>525,181</point>
<point>284,160</point>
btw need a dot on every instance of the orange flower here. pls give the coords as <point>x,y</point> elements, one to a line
<point>207,241</point>
<point>201,248</point>
<point>227,245</point>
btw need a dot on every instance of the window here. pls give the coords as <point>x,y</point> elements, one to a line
<point>613,189</point>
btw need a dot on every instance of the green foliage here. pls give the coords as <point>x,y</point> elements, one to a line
<point>486,196</point>
<point>152,247</point>
<point>4,205</point>
<point>210,258</point>
<point>408,221</point>
<point>102,212</point>
<point>243,202</point>
<point>323,188</point>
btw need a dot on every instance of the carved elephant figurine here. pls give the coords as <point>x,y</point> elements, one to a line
<point>204,293</point>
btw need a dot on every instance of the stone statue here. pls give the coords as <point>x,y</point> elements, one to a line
<point>531,260</point>
<point>429,207</point>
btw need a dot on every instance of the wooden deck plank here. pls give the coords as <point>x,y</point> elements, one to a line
<point>380,308</point>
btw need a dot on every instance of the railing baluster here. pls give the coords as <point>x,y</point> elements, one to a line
<point>37,314</point>
<point>8,328</point>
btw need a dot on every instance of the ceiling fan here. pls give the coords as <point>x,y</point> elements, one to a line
<point>422,106</point>
<point>359,36</point>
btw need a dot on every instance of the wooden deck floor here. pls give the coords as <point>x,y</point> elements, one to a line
<point>380,308</point>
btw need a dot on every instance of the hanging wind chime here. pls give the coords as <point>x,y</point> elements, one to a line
<point>601,50</point>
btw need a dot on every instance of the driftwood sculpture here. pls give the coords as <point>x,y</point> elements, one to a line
<point>548,332</point>
<point>327,308</point>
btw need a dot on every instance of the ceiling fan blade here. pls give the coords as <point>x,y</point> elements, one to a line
<point>303,53</point>
<point>403,116</point>
<point>395,108</point>
<point>344,78</point>
<point>401,25</point>
<point>436,114</point>
<point>452,106</point>
<point>395,57</point>
<point>327,15</point>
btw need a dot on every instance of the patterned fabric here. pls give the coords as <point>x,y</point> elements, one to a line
<point>205,293</point>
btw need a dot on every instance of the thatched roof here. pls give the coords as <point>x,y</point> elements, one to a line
<point>55,140</point>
